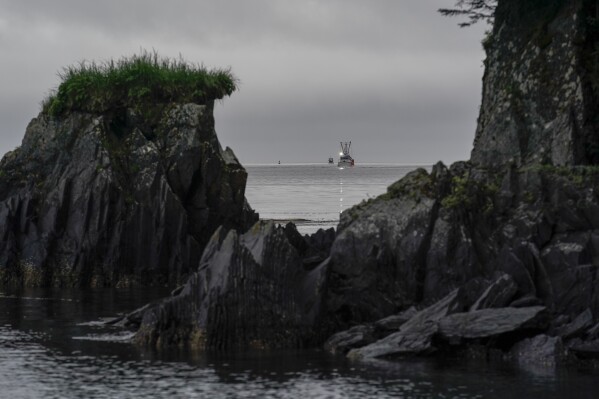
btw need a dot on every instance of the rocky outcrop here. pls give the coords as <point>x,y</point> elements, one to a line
<point>251,290</point>
<point>501,252</point>
<point>375,260</point>
<point>514,243</point>
<point>116,198</point>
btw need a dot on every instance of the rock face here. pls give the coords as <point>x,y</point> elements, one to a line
<point>492,252</point>
<point>251,290</point>
<point>113,199</point>
<point>375,260</point>
<point>530,233</point>
<point>540,85</point>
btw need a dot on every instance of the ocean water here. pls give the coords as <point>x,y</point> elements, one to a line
<point>313,195</point>
<point>54,344</point>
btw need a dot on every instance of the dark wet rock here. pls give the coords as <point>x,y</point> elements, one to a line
<point>577,327</point>
<point>498,295</point>
<point>394,322</point>
<point>318,247</point>
<point>593,332</point>
<point>356,337</point>
<point>415,336</point>
<point>497,257</point>
<point>375,258</point>
<point>585,349</point>
<point>488,323</point>
<point>539,350</point>
<point>250,290</point>
<point>526,301</point>
<point>130,320</point>
<point>96,200</point>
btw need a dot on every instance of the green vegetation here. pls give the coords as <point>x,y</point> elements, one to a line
<point>414,185</point>
<point>460,193</point>
<point>467,193</point>
<point>575,174</point>
<point>143,79</point>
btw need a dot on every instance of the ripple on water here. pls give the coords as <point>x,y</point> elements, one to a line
<point>53,351</point>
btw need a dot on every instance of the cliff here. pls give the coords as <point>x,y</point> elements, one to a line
<point>497,256</point>
<point>119,180</point>
<point>541,85</point>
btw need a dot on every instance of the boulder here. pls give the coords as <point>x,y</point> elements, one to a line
<point>488,323</point>
<point>526,301</point>
<point>414,336</point>
<point>585,349</point>
<point>577,327</point>
<point>394,322</point>
<point>539,350</point>
<point>355,337</point>
<point>498,295</point>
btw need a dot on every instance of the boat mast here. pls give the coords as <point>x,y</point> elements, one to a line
<point>345,146</point>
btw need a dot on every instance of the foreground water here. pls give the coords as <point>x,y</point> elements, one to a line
<point>53,345</point>
<point>313,195</point>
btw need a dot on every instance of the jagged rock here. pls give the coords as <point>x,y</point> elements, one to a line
<point>526,301</point>
<point>250,290</point>
<point>593,332</point>
<point>414,336</point>
<point>355,337</point>
<point>498,295</point>
<point>539,350</point>
<point>106,200</point>
<point>379,245</point>
<point>585,349</point>
<point>132,319</point>
<point>394,322</point>
<point>577,327</point>
<point>318,247</point>
<point>487,323</point>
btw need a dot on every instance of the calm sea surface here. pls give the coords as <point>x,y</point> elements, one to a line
<point>313,195</point>
<point>53,343</point>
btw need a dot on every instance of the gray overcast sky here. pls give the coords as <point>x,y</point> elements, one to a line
<point>393,76</point>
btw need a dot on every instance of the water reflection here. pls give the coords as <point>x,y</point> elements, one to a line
<point>52,345</point>
<point>340,193</point>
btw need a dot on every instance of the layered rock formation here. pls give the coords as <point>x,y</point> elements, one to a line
<point>540,93</point>
<point>251,290</point>
<point>116,198</point>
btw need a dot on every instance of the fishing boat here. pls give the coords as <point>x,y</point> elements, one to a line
<point>344,158</point>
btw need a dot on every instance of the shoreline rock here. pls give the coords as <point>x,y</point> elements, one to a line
<point>105,200</point>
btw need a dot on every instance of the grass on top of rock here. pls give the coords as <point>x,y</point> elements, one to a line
<point>130,82</point>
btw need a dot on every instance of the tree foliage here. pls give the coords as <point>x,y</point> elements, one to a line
<point>473,10</point>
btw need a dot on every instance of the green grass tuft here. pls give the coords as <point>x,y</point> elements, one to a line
<point>130,82</point>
